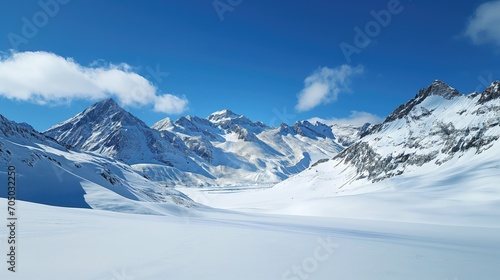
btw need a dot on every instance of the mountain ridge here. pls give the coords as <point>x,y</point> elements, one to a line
<point>223,148</point>
<point>437,131</point>
<point>52,174</point>
<point>226,148</point>
<point>459,123</point>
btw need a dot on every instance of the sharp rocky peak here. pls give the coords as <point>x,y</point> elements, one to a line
<point>437,88</point>
<point>163,124</point>
<point>193,123</point>
<point>307,129</point>
<point>106,106</point>
<point>227,119</point>
<point>223,115</point>
<point>105,113</point>
<point>108,110</point>
<point>492,92</point>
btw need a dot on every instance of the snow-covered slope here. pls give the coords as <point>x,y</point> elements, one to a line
<point>418,196</point>
<point>346,135</point>
<point>51,174</point>
<point>435,159</point>
<point>437,126</point>
<point>238,151</point>
<point>223,149</point>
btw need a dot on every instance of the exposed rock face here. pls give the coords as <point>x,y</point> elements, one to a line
<point>492,92</point>
<point>439,124</point>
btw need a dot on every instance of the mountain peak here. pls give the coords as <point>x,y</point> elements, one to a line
<point>225,111</point>
<point>108,100</point>
<point>103,114</point>
<point>110,130</point>
<point>108,104</point>
<point>227,119</point>
<point>318,129</point>
<point>439,88</point>
<point>163,124</point>
<point>492,92</point>
<point>108,110</point>
<point>223,115</point>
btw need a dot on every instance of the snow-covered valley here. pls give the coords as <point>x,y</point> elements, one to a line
<point>104,196</point>
<point>65,243</point>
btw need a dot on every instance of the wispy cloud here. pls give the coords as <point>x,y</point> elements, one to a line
<point>44,78</point>
<point>170,103</point>
<point>324,85</point>
<point>483,26</point>
<point>356,118</point>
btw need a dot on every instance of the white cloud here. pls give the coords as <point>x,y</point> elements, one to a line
<point>356,118</point>
<point>44,77</point>
<point>324,85</point>
<point>483,26</point>
<point>170,103</point>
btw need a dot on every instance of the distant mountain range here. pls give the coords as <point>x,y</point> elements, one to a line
<point>106,158</point>
<point>223,149</point>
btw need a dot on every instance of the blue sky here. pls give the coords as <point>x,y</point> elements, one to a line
<point>273,61</point>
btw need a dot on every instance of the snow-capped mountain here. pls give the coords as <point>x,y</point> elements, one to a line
<point>438,125</point>
<point>223,149</point>
<point>435,159</point>
<point>49,173</point>
<point>108,129</point>
<point>238,151</point>
<point>438,129</point>
<point>226,119</point>
<point>440,134</point>
<point>392,213</point>
<point>347,134</point>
